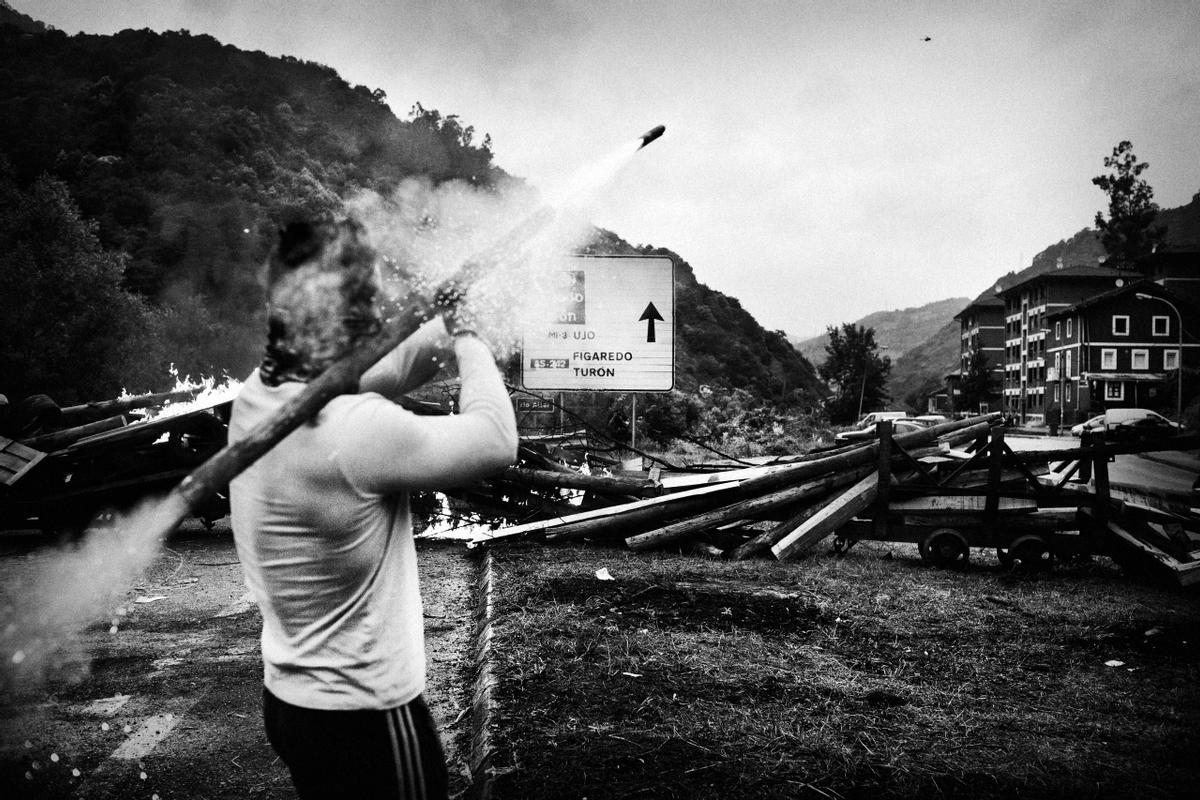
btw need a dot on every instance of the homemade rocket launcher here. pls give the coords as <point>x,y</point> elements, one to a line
<point>341,378</point>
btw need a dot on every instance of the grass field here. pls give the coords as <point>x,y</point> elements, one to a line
<point>864,675</point>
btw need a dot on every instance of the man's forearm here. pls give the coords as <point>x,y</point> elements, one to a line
<point>412,364</point>
<point>483,395</point>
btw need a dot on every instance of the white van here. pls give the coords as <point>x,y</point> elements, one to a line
<point>875,416</point>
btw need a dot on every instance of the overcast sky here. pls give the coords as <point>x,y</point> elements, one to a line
<point>822,160</point>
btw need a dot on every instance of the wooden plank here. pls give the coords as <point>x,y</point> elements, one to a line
<point>764,541</point>
<point>1141,546</point>
<point>829,518</point>
<point>103,408</point>
<point>962,504</point>
<point>995,472</point>
<point>1184,573</point>
<point>599,513</point>
<point>641,487</point>
<point>18,461</point>
<point>11,463</point>
<point>883,430</point>
<point>765,479</point>
<point>49,442</point>
<point>978,479</point>
<point>676,482</point>
<point>1059,519</point>
<point>22,451</point>
<point>746,508</point>
<point>1188,574</point>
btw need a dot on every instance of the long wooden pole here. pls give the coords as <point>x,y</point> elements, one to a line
<point>49,442</point>
<point>746,508</point>
<point>101,408</point>
<point>867,454</point>
<point>547,479</point>
<point>340,378</point>
<point>641,515</point>
<point>829,518</point>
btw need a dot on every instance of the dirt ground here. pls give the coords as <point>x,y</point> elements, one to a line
<point>169,705</point>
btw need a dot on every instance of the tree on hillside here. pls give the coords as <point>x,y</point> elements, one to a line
<point>855,371</point>
<point>69,329</point>
<point>978,384</point>
<point>1128,233</point>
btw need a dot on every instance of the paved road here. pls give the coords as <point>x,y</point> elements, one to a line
<point>163,700</point>
<point>1171,473</point>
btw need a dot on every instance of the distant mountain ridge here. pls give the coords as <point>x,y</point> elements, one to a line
<point>922,370</point>
<point>899,330</point>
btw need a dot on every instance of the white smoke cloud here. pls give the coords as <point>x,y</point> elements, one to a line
<point>503,246</point>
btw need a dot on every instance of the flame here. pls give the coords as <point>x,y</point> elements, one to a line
<point>210,391</point>
<point>446,525</point>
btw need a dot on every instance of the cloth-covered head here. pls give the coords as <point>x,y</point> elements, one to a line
<point>322,285</point>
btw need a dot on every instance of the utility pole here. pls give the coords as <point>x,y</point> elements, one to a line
<point>863,388</point>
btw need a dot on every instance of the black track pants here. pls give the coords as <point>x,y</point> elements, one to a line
<point>361,754</point>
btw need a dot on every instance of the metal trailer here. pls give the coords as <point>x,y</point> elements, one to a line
<point>992,497</point>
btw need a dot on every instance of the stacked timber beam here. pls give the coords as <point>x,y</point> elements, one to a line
<point>912,487</point>
<point>813,493</point>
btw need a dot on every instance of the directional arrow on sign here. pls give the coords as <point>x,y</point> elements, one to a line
<point>650,314</point>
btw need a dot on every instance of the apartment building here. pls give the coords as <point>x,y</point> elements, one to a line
<point>1026,307</point>
<point>1120,348</point>
<point>981,326</point>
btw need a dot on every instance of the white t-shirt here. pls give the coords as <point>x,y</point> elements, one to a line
<point>322,525</point>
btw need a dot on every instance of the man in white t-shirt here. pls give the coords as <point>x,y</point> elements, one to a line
<point>322,523</point>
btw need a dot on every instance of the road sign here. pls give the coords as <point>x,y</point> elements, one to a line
<point>534,404</point>
<point>611,328</point>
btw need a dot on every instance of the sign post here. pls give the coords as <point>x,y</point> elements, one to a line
<point>612,328</point>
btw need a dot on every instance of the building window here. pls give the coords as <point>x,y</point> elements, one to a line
<point>1114,390</point>
<point>1120,325</point>
<point>1170,359</point>
<point>1057,331</point>
<point>1070,368</point>
<point>1057,386</point>
<point>1141,359</point>
<point>1108,358</point>
<point>1160,326</point>
<point>1069,391</point>
<point>1068,329</point>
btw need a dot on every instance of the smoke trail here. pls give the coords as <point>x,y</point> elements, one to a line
<point>68,589</point>
<point>427,233</point>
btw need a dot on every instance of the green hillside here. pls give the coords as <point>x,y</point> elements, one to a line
<point>169,160</point>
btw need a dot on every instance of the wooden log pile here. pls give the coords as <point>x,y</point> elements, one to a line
<point>779,509</point>
<point>947,488</point>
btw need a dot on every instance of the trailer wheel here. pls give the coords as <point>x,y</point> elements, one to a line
<point>1030,554</point>
<point>945,547</point>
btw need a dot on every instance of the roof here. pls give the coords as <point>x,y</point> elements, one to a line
<point>988,299</point>
<point>1144,285</point>
<point>1080,271</point>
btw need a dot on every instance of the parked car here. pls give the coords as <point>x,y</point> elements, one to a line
<point>867,433</point>
<point>874,416</point>
<point>929,420</point>
<point>1128,423</point>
